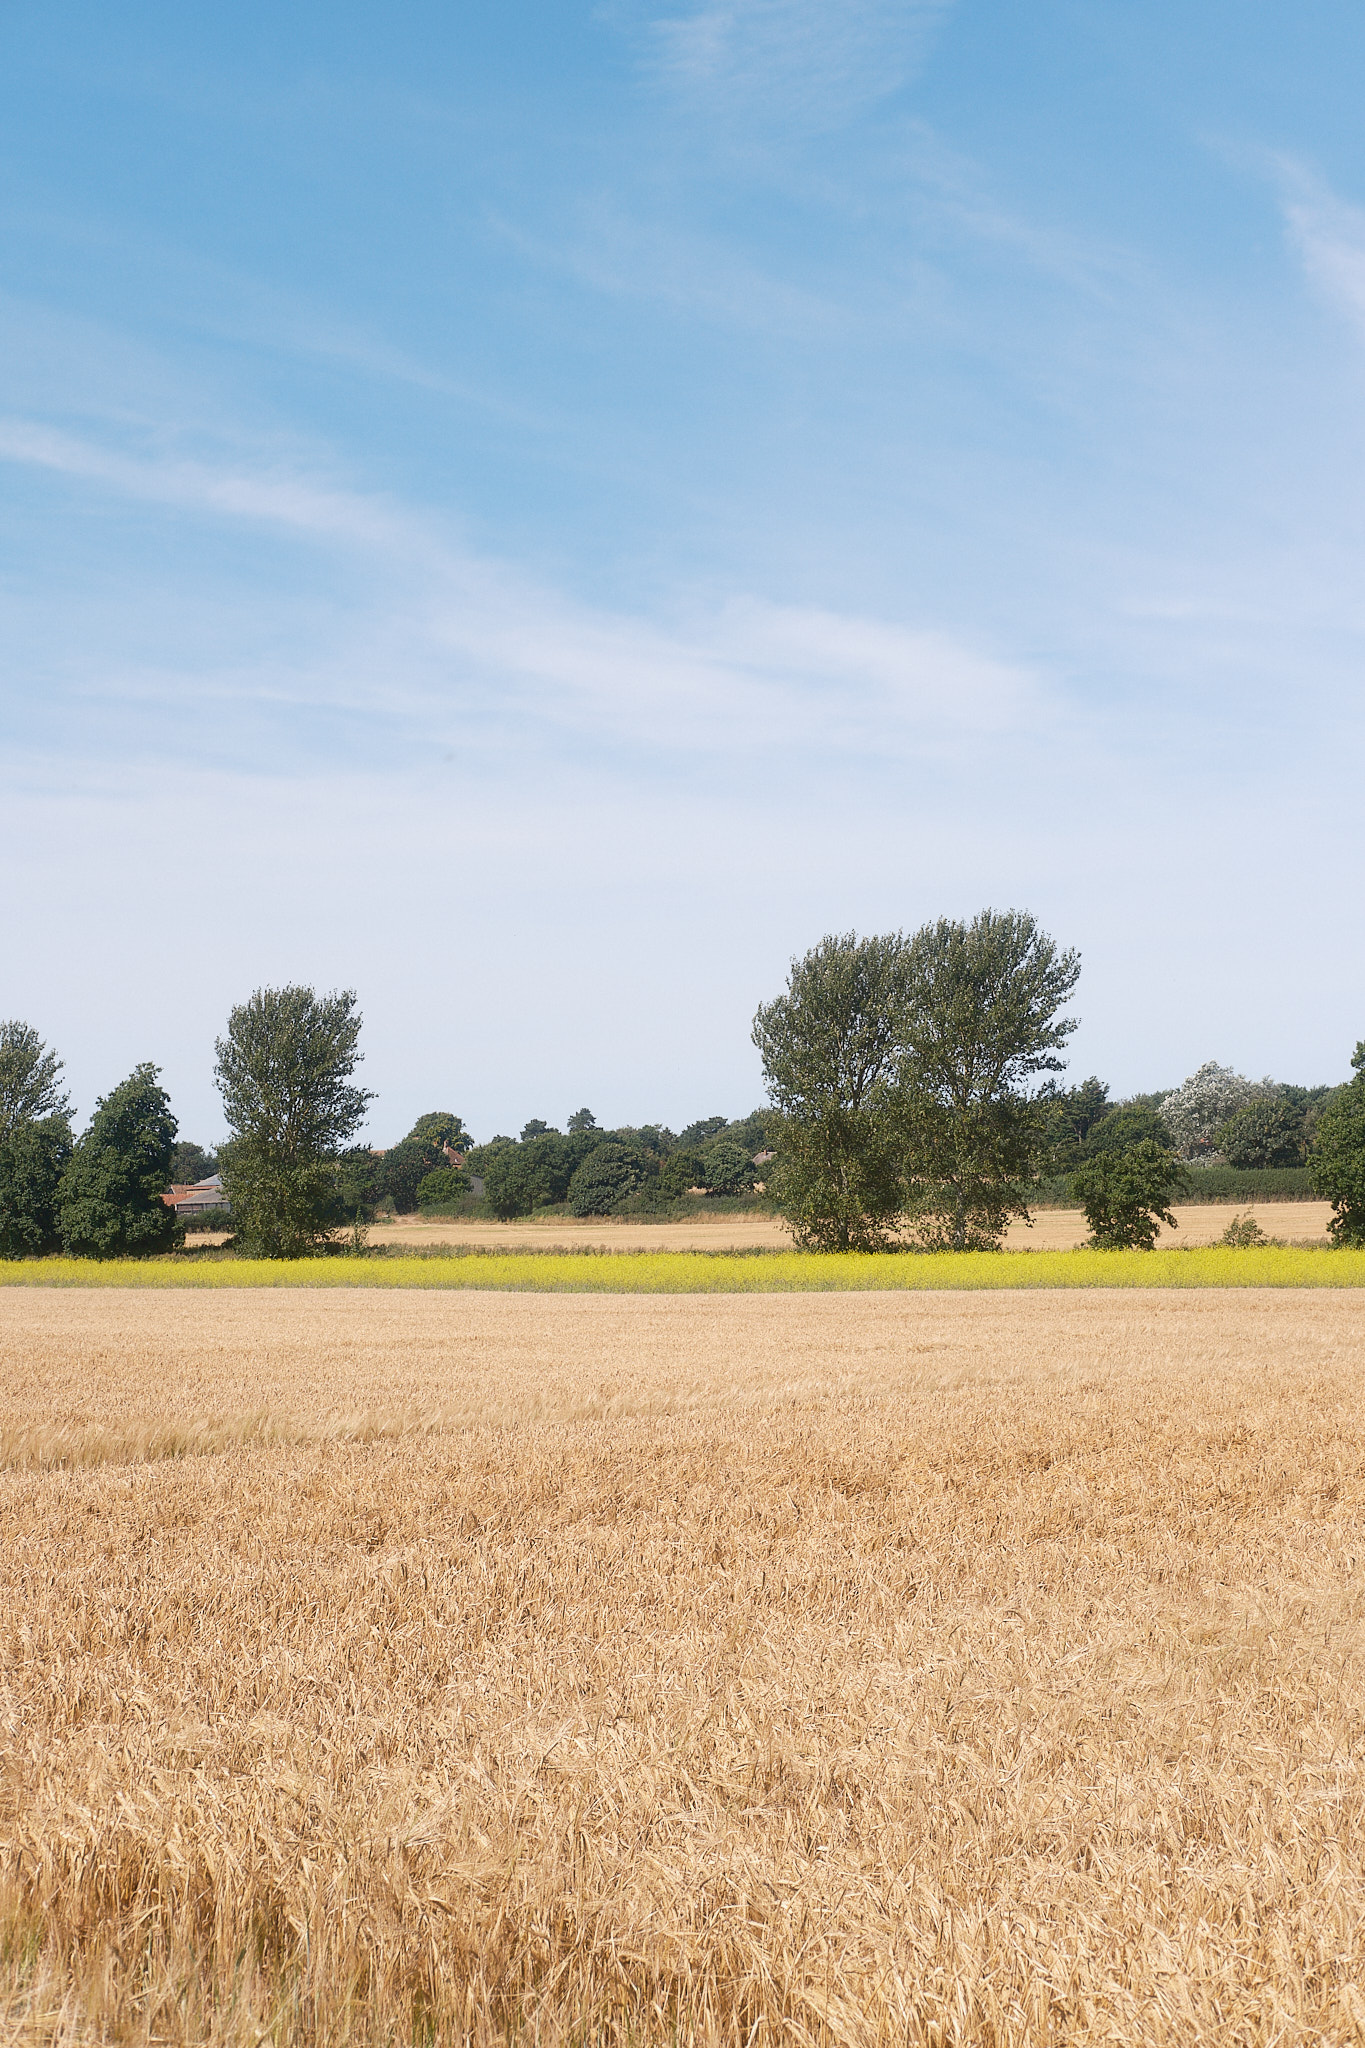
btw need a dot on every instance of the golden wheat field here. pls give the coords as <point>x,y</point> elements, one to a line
<point>1197,1223</point>
<point>929,1668</point>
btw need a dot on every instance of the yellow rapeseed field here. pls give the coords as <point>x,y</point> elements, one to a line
<point>699,1272</point>
<point>407,1665</point>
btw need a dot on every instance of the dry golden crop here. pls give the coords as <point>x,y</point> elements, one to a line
<point>389,1666</point>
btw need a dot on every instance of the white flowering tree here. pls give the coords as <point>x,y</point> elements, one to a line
<point>1200,1106</point>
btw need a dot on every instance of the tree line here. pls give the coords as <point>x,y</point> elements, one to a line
<point>912,1098</point>
<point>913,1075</point>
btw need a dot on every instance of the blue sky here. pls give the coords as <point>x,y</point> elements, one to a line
<point>537,514</point>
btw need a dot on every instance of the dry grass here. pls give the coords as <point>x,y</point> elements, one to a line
<point>1051,1230</point>
<point>929,1668</point>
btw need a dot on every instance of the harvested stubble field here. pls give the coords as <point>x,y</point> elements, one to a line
<point>935,1667</point>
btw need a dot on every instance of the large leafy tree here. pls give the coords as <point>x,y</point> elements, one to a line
<point>30,1079</point>
<point>32,1160</point>
<point>1195,1112</point>
<point>284,1071</point>
<point>1126,1192</point>
<point>979,1020</point>
<point>1266,1132</point>
<point>605,1178</point>
<point>109,1203</point>
<point>1337,1161</point>
<point>831,1050</point>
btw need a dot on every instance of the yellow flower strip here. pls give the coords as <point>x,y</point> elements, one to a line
<point>721,1273</point>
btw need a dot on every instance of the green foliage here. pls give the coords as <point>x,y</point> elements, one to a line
<point>30,1089</point>
<point>1128,1124</point>
<point>1266,1132</point>
<point>831,1055</point>
<point>358,1184</point>
<point>284,1070</point>
<point>606,1177</point>
<point>1337,1163</point>
<point>1126,1194</point>
<point>1244,1234</point>
<point>979,1019</point>
<point>109,1202</point>
<point>536,1128</point>
<point>696,1135</point>
<point>582,1120</point>
<point>680,1173</point>
<point>1070,1116</point>
<point>404,1167</point>
<point>443,1187</point>
<point>439,1128</point>
<point>727,1168</point>
<point>750,1132</point>
<point>191,1163</point>
<point>513,1182</point>
<point>219,1219</point>
<point>33,1158</point>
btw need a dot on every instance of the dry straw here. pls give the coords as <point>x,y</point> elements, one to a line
<point>937,1668</point>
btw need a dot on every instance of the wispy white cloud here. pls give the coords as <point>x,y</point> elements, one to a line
<point>803,61</point>
<point>1329,235</point>
<point>442,626</point>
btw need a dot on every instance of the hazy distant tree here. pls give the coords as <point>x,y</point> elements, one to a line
<point>1194,1112</point>
<point>30,1087</point>
<point>1127,1124</point>
<point>831,1054</point>
<point>109,1203</point>
<point>513,1182</point>
<point>284,1070</point>
<point>1268,1132</point>
<point>1072,1116</point>
<point>440,1128</point>
<point>750,1132</point>
<point>191,1163</point>
<point>727,1168</point>
<point>979,1019</point>
<point>606,1177</point>
<point>536,1128</point>
<point>1126,1194</point>
<point>443,1188</point>
<point>582,1120</point>
<point>705,1127</point>
<point>32,1160</point>
<point>682,1171</point>
<point>1337,1161</point>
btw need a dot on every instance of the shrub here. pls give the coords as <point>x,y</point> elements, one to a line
<point>1244,1234</point>
<point>209,1219</point>
<point>1126,1194</point>
<point>442,1188</point>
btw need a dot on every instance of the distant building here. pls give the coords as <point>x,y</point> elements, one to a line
<point>193,1200</point>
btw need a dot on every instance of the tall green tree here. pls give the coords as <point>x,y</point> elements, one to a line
<point>33,1159</point>
<point>831,1050</point>
<point>1337,1161</point>
<point>284,1071</point>
<point>979,1020</point>
<point>109,1203</point>
<point>30,1079</point>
